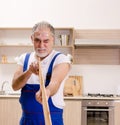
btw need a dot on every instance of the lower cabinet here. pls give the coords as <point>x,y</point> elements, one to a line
<point>10,111</point>
<point>117,113</point>
<point>72,112</point>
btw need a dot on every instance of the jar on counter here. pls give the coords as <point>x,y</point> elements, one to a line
<point>4,59</point>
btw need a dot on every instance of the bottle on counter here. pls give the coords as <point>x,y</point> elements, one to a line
<point>4,59</point>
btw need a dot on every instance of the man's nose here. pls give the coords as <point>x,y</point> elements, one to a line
<point>41,44</point>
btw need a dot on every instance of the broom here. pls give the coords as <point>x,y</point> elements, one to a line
<point>46,111</point>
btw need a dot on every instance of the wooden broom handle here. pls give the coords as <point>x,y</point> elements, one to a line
<point>45,105</point>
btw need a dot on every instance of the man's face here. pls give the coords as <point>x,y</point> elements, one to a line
<point>43,42</point>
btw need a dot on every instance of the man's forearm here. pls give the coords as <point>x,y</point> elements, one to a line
<point>20,80</point>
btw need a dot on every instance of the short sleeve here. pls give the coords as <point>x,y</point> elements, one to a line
<point>20,60</point>
<point>62,59</point>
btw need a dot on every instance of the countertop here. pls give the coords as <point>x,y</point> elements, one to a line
<point>87,97</point>
<point>68,97</point>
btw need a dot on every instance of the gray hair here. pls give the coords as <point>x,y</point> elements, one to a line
<point>42,25</point>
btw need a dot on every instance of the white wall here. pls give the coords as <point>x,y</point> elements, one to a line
<point>99,78</point>
<point>6,74</point>
<point>81,14</point>
<point>96,78</point>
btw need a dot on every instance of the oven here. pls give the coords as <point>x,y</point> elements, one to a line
<point>97,112</point>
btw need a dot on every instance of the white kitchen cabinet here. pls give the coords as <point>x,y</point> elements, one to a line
<point>72,112</point>
<point>117,113</point>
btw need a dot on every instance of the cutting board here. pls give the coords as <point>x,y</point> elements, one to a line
<point>73,86</point>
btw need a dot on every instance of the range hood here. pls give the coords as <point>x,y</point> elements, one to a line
<point>95,42</point>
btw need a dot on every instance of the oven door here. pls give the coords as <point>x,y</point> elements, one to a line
<point>97,116</point>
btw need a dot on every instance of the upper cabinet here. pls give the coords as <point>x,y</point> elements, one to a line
<point>97,47</point>
<point>15,41</point>
<point>86,46</point>
<point>64,40</point>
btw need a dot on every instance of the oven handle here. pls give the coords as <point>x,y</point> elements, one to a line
<point>86,109</point>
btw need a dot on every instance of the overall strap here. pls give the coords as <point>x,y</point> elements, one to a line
<point>48,76</point>
<point>26,62</point>
<point>49,72</point>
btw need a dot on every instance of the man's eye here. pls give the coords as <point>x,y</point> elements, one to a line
<point>36,40</point>
<point>46,41</point>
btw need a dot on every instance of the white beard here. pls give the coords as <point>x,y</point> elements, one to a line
<point>41,54</point>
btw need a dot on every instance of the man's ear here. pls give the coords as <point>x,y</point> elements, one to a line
<point>54,39</point>
<point>32,39</point>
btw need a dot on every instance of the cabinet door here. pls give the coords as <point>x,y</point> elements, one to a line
<point>117,113</point>
<point>10,111</point>
<point>72,112</point>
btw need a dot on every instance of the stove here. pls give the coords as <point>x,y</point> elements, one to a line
<point>98,110</point>
<point>99,95</point>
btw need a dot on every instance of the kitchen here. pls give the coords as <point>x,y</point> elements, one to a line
<point>100,75</point>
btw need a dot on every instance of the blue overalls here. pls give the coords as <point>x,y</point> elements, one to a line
<point>32,111</point>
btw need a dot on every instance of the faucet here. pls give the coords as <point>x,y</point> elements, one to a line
<point>2,87</point>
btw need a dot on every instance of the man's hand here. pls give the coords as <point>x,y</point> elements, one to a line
<point>39,95</point>
<point>34,68</point>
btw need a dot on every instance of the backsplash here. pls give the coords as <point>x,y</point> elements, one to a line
<point>6,74</point>
<point>98,78</point>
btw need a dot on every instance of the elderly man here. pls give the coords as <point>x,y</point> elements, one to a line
<point>55,67</point>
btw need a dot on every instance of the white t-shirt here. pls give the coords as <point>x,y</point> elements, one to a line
<point>57,99</point>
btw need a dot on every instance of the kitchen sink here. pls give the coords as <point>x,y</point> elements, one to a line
<point>13,93</point>
<point>9,93</point>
